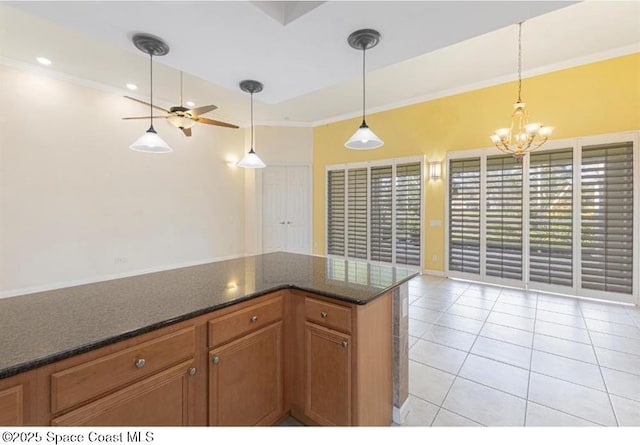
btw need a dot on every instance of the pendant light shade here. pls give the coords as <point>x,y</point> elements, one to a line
<point>150,142</point>
<point>364,138</point>
<point>251,159</point>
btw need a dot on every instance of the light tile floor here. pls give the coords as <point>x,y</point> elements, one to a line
<point>485,355</point>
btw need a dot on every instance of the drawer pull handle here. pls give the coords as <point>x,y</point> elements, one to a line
<point>140,363</point>
<point>254,319</point>
<point>215,360</point>
<point>345,343</point>
<point>193,371</point>
<point>324,315</point>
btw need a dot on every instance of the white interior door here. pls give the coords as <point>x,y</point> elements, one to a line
<point>286,209</point>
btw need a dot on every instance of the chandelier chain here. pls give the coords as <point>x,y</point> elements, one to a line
<point>519,61</point>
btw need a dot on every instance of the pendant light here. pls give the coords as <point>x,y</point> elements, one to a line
<point>521,137</point>
<point>150,142</point>
<point>364,138</point>
<point>251,159</point>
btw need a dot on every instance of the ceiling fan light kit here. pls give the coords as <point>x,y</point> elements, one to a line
<point>364,138</point>
<point>150,142</point>
<point>251,159</point>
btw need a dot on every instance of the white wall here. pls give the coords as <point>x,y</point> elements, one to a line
<point>76,205</point>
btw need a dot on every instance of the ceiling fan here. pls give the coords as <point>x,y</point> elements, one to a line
<point>182,117</point>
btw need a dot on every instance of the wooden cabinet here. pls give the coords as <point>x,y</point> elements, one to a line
<point>133,383</point>
<point>327,376</point>
<point>246,363</point>
<point>246,379</point>
<point>160,400</point>
<point>342,370</point>
<point>17,404</point>
<point>323,361</point>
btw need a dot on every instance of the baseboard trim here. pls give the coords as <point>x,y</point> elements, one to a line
<point>435,273</point>
<point>400,414</point>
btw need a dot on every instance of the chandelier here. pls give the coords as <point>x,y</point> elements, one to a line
<point>522,137</point>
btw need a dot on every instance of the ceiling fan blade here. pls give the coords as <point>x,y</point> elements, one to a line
<point>204,120</point>
<point>146,103</point>
<point>202,110</point>
<point>144,117</point>
<point>186,131</point>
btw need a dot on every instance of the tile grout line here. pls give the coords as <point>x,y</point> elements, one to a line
<point>440,407</point>
<point>533,338</point>
<point>604,382</point>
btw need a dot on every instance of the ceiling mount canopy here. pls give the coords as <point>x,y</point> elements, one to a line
<point>364,138</point>
<point>150,142</point>
<point>251,159</point>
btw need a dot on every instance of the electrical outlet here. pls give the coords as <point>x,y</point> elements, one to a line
<point>120,260</point>
<point>434,259</point>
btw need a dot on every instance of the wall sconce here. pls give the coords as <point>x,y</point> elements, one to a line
<point>435,170</point>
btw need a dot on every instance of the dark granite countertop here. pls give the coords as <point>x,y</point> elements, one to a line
<point>40,328</point>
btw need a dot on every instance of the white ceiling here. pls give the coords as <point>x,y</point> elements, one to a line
<point>310,73</point>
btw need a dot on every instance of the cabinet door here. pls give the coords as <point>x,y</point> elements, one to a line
<point>11,406</point>
<point>246,379</point>
<point>160,400</point>
<point>327,376</point>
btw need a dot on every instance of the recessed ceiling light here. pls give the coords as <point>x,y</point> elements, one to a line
<point>132,86</point>
<point>43,60</point>
<point>190,104</point>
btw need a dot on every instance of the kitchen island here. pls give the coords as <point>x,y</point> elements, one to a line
<point>313,329</point>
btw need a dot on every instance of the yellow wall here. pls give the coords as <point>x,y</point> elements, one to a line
<point>601,97</point>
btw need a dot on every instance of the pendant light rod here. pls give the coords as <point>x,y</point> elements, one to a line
<point>364,90</point>
<point>364,138</point>
<point>251,159</point>
<point>150,142</point>
<point>151,88</point>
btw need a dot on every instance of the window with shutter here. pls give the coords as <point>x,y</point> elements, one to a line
<point>504,217</point>
<point>607,218</point>
<point>408,213</point>
<point>381,220</point>
<point>551,217</point>
<point>464,215</point>
<point>335,212</point>
<point>357,213</point>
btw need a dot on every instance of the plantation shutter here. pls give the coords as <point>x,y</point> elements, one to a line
<point>504,217</point>
<point>464,215</point>
<point>381,236</point>
<point>357,213</point>
<point>335,212</point>
<point>607,217</point>
<point>551,217</point>
<point>408,212</point>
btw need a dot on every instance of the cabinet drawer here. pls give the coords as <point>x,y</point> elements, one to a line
<point>328,314</point>
<point>86,381</point>
<point>237,324</point>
